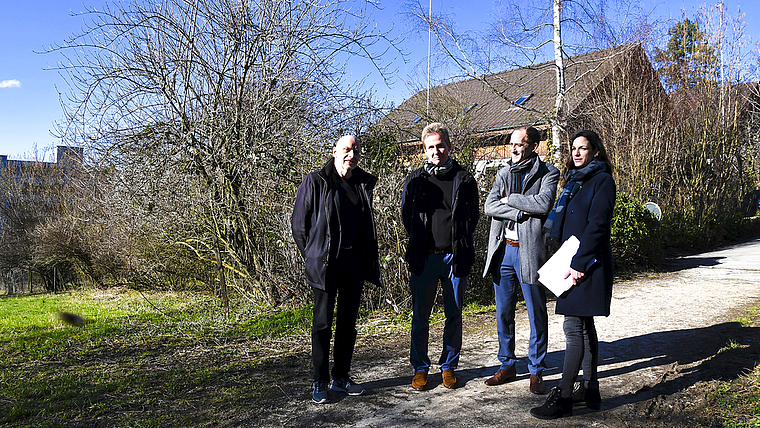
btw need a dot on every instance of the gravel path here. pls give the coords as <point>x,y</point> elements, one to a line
<point>657,341</point>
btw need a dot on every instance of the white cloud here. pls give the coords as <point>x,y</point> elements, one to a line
<point>10,84</point>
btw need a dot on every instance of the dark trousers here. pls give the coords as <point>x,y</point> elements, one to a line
<point>424,288</point>
<point>581,349</point>
<point>345,281</point>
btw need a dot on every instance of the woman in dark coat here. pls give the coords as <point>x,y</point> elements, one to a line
<point>584,209</point>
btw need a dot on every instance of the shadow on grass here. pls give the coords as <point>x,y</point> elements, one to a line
<point>709,346</point>
<point>157,384</point>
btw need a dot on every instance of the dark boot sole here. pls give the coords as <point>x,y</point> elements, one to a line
<point>549,417</point>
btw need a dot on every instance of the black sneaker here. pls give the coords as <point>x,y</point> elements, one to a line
<point>554,407</point>
<point>320,395</point>
<point>346,385</point>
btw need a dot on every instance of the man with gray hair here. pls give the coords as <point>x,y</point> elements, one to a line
<point>334,230</point>
<point>521,198</point>
<point>439,209</point>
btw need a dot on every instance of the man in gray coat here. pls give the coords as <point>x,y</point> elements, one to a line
<point>521,198</point>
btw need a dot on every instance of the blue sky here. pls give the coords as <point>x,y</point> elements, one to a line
<point>29,94</point>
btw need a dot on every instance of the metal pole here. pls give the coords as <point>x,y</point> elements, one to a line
<point>721,6</point>
<point>430,24</point>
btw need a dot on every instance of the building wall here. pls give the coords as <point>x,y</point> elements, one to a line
<point>66,156</point>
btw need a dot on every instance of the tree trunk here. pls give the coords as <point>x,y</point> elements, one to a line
<point>222,283</point>
<point>557,117</point>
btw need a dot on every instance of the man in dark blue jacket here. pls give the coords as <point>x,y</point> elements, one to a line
<point>439,208</point>
<point>334,230</point>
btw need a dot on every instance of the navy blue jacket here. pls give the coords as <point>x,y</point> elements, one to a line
<point>464,219</point>
<point>588,217</point>
<point>316,224</point>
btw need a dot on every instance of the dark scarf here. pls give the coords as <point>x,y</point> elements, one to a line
<point>516,177</point>
<point>573,179</point>
<point>438,170</point>
<point>332,173</point>
<point>335,178</point>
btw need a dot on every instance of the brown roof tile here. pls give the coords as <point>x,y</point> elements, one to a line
<point>488,95</point>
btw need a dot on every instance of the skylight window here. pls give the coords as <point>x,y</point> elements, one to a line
<point>416,119</point>
<point>470,107</point>
<point>520,101</point>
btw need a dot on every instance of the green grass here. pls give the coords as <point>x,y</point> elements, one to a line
<point>476,308</point>
<point>169,353</point>
<point>749,316</point>
<point>731,345</point>
<point>736,403</point>
<point>276,324</point>
<point>171,359</point>
<point>30,324</point>
<point>152,359</point>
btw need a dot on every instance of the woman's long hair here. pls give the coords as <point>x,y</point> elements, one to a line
<point>596,143</point>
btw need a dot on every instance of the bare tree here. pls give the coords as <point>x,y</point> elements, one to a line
<point>716,120</point>
<point>710,128</point>
<point>631,110</point>
<point>238,95</point>
<point>526,33</point>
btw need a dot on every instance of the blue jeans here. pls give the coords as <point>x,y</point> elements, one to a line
<point>424,288</point>
<point>505,283</point>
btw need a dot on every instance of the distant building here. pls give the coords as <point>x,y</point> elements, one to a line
<point>24,182</point>
<point>30,193</point>
<point>66,157</point>
<point>490,108</point>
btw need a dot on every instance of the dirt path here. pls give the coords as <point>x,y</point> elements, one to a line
<point>661,340</point>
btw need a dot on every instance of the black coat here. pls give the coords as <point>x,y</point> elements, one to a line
<point>464,219</point>
<point>589,218</point>
<point>316,224</point>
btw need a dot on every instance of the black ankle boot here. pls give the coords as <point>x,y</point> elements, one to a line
<point>587,392</point>
<point>554,407</point>
<point>579,391</point>
<point>592,398</point>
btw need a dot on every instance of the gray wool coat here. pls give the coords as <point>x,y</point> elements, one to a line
<point>529,209</point>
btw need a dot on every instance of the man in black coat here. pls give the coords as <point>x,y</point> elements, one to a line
<point>439,208</point>
<point>334,230</point>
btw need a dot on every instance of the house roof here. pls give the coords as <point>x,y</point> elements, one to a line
<point>487,104</point>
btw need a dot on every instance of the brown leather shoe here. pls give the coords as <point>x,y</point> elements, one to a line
<point>419,380</point>
<point>537,385</point>
<point>449,380</point>
<point>502,376</point>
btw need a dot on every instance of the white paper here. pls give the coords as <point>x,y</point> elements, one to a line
<point>552,273</point>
